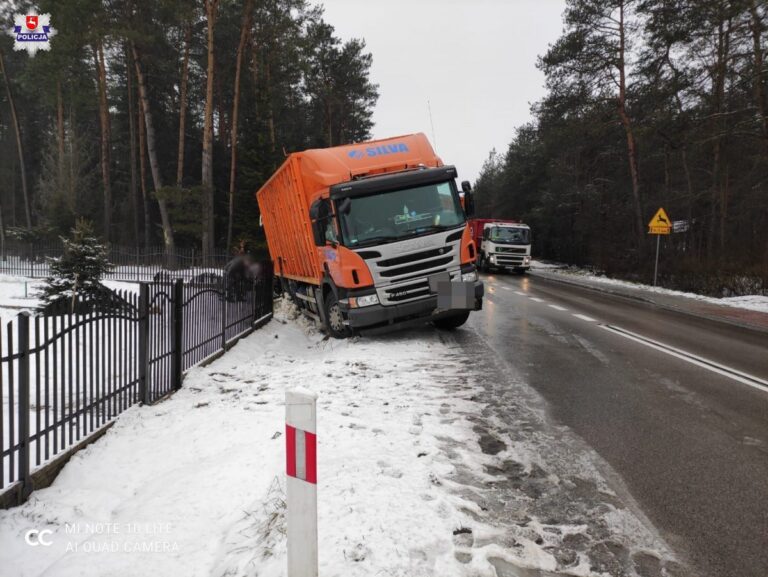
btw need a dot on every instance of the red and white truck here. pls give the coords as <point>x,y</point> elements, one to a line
<point>503,244</point>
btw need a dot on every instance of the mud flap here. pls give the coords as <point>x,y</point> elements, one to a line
<point>321,305</point>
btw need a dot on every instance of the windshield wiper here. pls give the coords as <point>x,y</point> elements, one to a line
<point>376,239</point>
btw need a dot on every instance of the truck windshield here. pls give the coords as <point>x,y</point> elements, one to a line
<point>509,235</point>
<point>399,214</point>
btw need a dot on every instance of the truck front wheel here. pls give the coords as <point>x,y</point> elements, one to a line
<point>482,262</point>
<point>334,318</point>
<point>452,322</point>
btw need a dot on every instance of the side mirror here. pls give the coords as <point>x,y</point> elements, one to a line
<point>469,204</point>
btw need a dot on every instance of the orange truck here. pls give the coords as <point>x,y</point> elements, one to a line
<point>373,235</point>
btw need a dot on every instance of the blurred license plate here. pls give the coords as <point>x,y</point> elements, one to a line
<point>452,295</point>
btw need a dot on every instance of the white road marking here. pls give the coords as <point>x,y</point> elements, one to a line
<point>558,308</point>
<point>522,294</point>
<point>538,300</point>
<point>584,318</point>
<point>702,362</point>
<point>506,288</point>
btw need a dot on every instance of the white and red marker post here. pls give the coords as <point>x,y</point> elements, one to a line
<point>301,471</point>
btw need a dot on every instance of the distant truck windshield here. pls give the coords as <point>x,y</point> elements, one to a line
<point>509,235</point>
<point>399,214</point>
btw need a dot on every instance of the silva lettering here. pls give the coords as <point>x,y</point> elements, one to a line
<point>379,150</point>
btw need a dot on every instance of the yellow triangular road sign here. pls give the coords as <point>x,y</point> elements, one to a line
<point>660,223</point>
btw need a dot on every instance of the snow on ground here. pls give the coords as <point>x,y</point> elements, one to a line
<point>416,474</point>
<point>19,294</point>
<point>750,302</point>
<point>199,477</point>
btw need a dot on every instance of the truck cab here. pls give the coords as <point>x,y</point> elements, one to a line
<point>505,245</point>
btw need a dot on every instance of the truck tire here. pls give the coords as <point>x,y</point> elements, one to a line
<point>277,287</point>
<point>482,265</point>
<point>452,322</point>
<point>335,318</point>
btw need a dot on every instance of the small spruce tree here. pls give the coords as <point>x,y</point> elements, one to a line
<point>76,275</point>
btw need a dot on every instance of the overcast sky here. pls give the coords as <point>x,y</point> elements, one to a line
<point>473,60</point>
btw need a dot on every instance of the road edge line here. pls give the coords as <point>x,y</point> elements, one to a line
<point>723,370</point>
<point>650,301</point>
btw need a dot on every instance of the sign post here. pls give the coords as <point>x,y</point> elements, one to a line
<point>659,225</point>
<point>301,471</point>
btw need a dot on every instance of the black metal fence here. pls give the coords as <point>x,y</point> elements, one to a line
<point>131,264</point>
<point>68,372</point>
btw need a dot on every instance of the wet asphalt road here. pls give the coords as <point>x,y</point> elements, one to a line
<point>690,444</point>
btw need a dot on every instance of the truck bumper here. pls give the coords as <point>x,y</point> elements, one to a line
<point>379,318</point>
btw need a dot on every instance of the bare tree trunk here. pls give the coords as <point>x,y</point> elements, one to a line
<point>691,201</point>
<point>143,175</point>
<point>211,7</point>
<point>152,154</point>
<point>244,32</point>
<point>756,26</point>
<point>718,88</point>
<point>724,209</point>
<point>134,190</point>
<point>101,70</point>
<point>17,130</point>
<point>60,131</point>
<point>270,112</point>
<point>73,159</point>
<point>183,106</point>
<point>626,122</point>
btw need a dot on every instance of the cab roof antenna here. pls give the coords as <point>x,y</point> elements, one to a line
<point>432,124</point>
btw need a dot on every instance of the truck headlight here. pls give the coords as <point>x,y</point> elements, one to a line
<point>527,260</point>
<point>469,276</point>
<point>363,301</point>
<point>493,258</point>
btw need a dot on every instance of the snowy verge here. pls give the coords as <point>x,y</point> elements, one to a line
<point>757,303</point>
<point>195,485</point>
<point>19,294</point>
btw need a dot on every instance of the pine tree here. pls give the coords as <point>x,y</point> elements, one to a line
<point>76,275</point>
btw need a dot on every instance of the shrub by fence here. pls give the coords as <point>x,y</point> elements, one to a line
<point>67,373</point>
<point>131,264</point>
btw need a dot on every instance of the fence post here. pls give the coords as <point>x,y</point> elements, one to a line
<point>224,296</point>
<point>178,327</point>
<point>301,482</point>
<point>24,444</point>
<point>144,388</point>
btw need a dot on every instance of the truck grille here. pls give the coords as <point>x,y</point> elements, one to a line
<point>408,292</point>
<point>398,260</point>
<point>511,249</point>
<point>509,260</point>
<point>402,275</point>
<point>418,267</point>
